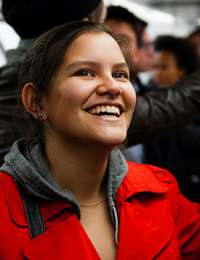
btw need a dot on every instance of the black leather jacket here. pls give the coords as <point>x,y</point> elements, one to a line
<point>13,120</point>
<point>160,110</point>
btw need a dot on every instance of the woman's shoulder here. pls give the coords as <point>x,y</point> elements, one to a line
<point>144,180</point>
<point>8,189</point>
<point>6,179</point>
<point>151,174</point>
<point>149,183</point>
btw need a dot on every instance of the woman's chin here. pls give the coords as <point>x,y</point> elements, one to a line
<point>114,140</point>
<point>105,139</point>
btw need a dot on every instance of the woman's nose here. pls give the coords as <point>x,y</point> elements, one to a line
<point>109,86</point>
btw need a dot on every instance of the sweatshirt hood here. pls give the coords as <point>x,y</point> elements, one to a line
<point>27,166</point>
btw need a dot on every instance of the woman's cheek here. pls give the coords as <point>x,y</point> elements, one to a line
<point>131,97</point>
<point>130,103</point>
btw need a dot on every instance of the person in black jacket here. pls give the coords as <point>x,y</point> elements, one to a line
<point>179,149</point>
<point>154,111</point>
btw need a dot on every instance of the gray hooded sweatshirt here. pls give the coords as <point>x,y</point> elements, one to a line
<point>27,166</point>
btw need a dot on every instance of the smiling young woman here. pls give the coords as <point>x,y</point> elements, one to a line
<point>68,193</point>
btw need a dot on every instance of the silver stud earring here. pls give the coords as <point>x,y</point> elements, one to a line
<point>40,115</point>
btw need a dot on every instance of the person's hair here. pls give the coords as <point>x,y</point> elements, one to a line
<point>31,18</point>
<point>121,14</point>
<point>184,51</point>
<point>46,55</point>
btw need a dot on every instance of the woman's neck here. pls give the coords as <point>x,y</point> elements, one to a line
<point>80,169</point>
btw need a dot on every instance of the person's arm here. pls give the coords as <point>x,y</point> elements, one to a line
<point>160,110</point>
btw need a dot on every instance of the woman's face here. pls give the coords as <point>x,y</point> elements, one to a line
<point>91,98</point>
<point>165,69</point>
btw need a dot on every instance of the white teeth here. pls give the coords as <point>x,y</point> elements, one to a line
<point>105,109</point>
<point>98,109</point>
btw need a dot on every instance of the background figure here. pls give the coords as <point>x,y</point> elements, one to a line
<point>178,150</point>
<point>69,191</point>
<point>173,58</point>
<point>194,37</point>
<point>29,20</point>
<point>125,23</point>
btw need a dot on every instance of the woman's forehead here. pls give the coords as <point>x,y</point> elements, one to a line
<point>91,43</point>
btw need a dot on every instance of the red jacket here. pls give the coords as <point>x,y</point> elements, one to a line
<point>156,222</point>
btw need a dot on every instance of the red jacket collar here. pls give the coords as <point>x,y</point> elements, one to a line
<point>139,179</point>
<point>143,178</point>
<point>15,205</point>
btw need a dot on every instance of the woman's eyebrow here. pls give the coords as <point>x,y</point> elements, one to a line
<point>92,63</point>
<point>122,65</point>
<point>82,63</point>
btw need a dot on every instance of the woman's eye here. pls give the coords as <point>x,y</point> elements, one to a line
<point>85,73</point>
<point>120,75</point>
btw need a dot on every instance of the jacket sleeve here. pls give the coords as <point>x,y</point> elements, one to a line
<point>158,111</point>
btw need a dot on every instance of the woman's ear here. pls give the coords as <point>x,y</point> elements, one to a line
<point>31,103</point>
